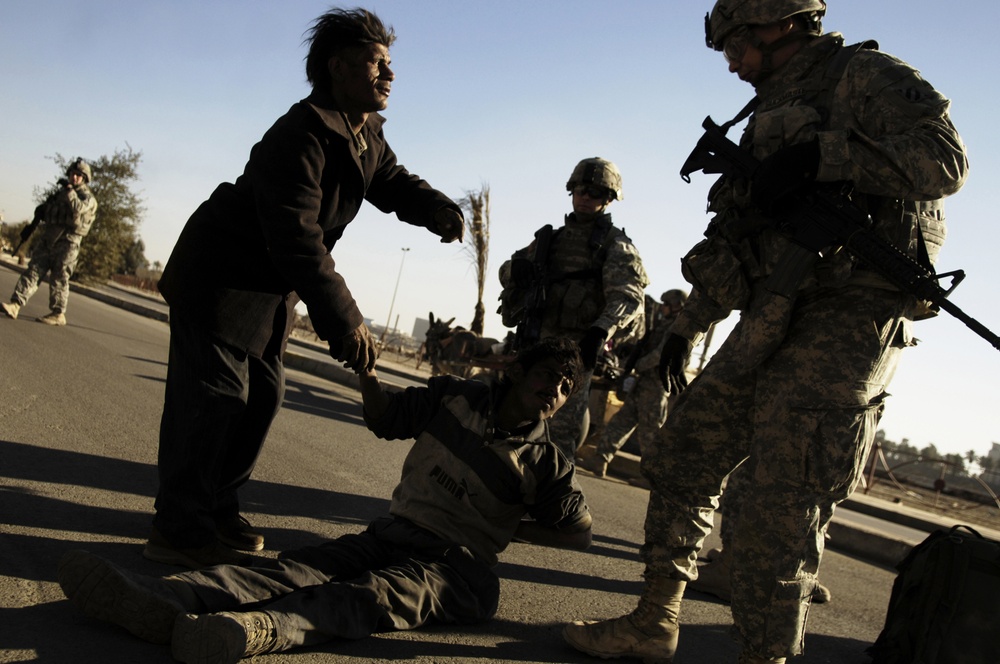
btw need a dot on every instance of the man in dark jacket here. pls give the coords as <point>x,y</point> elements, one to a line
<point>243,261</point>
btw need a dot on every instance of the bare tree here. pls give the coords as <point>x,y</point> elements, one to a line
<point>476,204</point>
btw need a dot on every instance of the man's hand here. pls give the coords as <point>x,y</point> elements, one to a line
<point>450,224</point>
<point>783,173</point>
<point>357,350</point>
<point>591,346</point>
<point>673,363</point>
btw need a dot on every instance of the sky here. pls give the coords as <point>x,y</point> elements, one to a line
<point>509,95</point>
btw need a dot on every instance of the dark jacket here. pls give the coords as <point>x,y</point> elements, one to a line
<point>256,244</point>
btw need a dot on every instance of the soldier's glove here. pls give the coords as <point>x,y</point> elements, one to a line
<point>673,363</point>
<point>590,347</point>
<point>783,173</point>
<point>450,224</point>
<point>356,349</point>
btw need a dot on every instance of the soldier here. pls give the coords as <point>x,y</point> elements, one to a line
<point>800,383</point>
<point>645,407</point>
<point>592,280</point>
<point>242,262</point>
<point>65,219</point>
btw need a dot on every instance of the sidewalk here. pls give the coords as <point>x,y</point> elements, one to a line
<point>870,528</point>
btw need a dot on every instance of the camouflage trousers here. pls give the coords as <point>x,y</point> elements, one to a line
<point>642,414</point>
<point>566,428</point>
<point>58,262</point>
<point>807,416</point>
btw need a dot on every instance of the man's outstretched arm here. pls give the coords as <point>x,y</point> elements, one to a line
<point>373,395</point>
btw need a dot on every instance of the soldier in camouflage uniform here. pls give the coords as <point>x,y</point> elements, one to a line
<point>594,281</point>
<point>800,383</point>
<point>645,407</point>
<point>65,218</point>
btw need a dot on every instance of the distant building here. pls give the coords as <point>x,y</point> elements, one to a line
<point>994,455</point>
<point>420,327</point>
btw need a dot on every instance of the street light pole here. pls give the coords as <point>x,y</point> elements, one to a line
<point>392,304</point>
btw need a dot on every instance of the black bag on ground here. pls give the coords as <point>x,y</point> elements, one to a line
<point>945,603</point>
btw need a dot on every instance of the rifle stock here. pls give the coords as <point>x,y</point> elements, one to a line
<point>820,218</point>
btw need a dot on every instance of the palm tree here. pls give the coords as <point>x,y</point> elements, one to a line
<point>477,224</point>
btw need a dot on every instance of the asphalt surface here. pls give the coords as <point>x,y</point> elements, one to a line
<point>78,444</point>
<point>869,528</point>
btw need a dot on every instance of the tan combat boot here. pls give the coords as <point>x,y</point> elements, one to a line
<point>223,638</point>
<point>11,309</point>
<point>649,633</point>
<point>53,319</point>
<point>713,577</point>
<point>588,458</point>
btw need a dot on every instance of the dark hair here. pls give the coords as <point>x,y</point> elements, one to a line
<point>337,30</point>
<point>565,351</point>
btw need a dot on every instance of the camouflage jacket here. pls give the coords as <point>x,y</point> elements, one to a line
<point>262,243</point>
<point>594,279</point>
<point>880,126</point>
<point>68,214</point>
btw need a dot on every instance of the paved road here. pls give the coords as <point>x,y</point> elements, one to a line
<point>79,409</point>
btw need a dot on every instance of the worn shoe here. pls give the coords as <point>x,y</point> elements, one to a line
<point>102,591</point>
<point>237,533</point>
<point>11,309</point>
<point>222,638</point>
<point>619,637</point>
<point>160,550</point>
<point>53,319</point>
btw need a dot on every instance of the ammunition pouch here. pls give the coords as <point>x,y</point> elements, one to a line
<point>713,268</point>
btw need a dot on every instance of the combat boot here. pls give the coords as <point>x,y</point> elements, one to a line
<point>224,637</point>
<point>649,633</point>
<point>714,578</point>
<point>596,464</point>
<point>53,319</point>
<point>11,309</point>
<point>589,458</point>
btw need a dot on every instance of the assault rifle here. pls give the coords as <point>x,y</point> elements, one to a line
<point>820,218</point>
<point>529,330</point>
<point>28,230</point>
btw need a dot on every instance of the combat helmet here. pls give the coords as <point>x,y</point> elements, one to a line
<point>597,171</point>
<point>674,297</point>
<point>80,165</point>
<point>728,15</point>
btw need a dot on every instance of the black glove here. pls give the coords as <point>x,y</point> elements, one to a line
<point>591,346</point>
<point>783,173</point>
<point>673,363</point>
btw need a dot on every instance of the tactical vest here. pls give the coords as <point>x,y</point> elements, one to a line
<point>575,292</point>
<point>923,237</point>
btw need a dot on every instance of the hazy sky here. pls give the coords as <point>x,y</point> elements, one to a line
<point>510,94</point>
